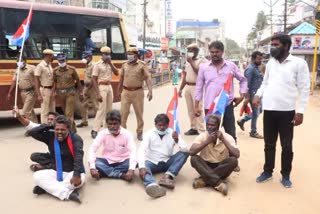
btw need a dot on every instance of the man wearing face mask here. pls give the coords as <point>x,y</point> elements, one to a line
<point>119,158</point>
<point>155,155</point>
<point>285,83</point>
<point>67,150</point>
<point>26,85</point>
<point>217,159</point>
<point>89,91</point>
<point>101,77</point>
<point>43,84</point>
<point>65,77</point>
<point>133,73</point>
<point>189,83</point>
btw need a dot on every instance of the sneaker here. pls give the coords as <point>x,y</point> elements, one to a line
<point>74,196</point>
<point>82,125</point>
<point>256,135</point>
<point>264,177</point>
<point>192,132</point>
<point>222,187</point>
<point>240,125</point>
<point>155,191</point>
<point>198,183</point>
<point>94,134</point>
<point>166,182</point>
<point>38,190</point>
<point>285,181</point>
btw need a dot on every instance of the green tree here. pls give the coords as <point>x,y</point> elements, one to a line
<point>232,49</point>
<point>260,24</point>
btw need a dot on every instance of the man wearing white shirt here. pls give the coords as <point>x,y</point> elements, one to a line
<point>286,80</point>
<point>119,155</point>
<point>155,155</point>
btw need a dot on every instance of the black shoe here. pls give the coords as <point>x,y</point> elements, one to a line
<point>82,125</point>
<point>94,134</point>
<point>38,190</point>
<point>192,132</point>
<point>139,137</point>
<point>74,196</point>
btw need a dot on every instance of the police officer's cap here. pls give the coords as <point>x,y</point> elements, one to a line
<point>133,49</point>
<point>105,50</point>
<point>48,51</point>
<point>86,54</point>
<point>61,56</point>
<point>193,46</point>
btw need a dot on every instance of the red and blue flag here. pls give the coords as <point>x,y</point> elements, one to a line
<point>172,112</point>
<point>22,33</point>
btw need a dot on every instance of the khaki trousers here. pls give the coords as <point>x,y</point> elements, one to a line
<point>104,107</point>
<point>29,99</point>
<point>136,98</point>
<point>89,97</point>
<point>196,123</point>
<point>67,104</point>
<point>48,104</point>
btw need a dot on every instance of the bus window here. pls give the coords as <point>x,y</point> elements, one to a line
<point>99,37</point>
<point>117,45</point>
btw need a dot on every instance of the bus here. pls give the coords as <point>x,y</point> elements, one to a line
<point>64,29</point>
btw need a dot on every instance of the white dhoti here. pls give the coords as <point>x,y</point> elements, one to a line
<point>47,180</point>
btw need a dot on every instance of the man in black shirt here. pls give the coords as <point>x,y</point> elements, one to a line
<point>67,151</point>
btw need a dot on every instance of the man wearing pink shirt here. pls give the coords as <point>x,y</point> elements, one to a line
<point>119,151</point>
<point>211,79</point>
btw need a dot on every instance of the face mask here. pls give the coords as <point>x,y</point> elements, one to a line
<point>276,53</point>
<point>84,61</point>
<point>62,65</point>
<point>162,132</point>
<point>130,58</point>
<point>20,64</point>
<point>106,56</point>
<point>190,54</point>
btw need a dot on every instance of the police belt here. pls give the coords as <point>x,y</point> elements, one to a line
<point>28,89</point>
<point>132,88</point>
<point>190,83</point>
<point>104,83</point>
<point>65,90</point>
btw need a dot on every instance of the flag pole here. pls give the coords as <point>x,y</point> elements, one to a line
<point>18,69</point>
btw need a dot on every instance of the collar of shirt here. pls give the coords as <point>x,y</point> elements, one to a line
<point>289,58</point>
<point>45,64</point>
<point>224,63</point>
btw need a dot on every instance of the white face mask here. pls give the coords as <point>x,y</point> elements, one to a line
<point>85,61</point>
<point>190,54</point>
<point>162,132</point>
<point>20,64</point>
<point>130,58</point>
<point>62,65</point>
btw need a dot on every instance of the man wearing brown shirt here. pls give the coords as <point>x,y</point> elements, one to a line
<point>43,84</point>
<point>65,77</point>
<point>89,91</point>
<point>26,86</point>
<point>218,156</point>
<point>189,83</point>
<point>101,76</point>
<point>133,73</point>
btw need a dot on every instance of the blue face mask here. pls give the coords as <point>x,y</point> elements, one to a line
<point>162,132</point>
<point>106,56</point>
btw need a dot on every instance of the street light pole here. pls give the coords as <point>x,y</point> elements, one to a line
<point>285,17</point>
<point>144,23</point>
<point>271,5</point>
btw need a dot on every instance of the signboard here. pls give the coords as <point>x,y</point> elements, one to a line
<point>169,21</point>
<point>303,43</point>
<point>185,34</point>
<point>164,43</point>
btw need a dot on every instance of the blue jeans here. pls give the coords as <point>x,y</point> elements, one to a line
<point>253,117</point>
<point>171,167</point>
<point>114,170</point>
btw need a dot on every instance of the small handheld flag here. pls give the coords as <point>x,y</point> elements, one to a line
<point>172,112</point>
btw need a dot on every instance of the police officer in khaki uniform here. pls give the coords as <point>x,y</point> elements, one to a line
<point>26,86</point>
<point>101,76</point>
<point>133,73</point>
<point>65,77</point>
<point>43,84</point>
<point>189,83</point>
<point>88,91</point>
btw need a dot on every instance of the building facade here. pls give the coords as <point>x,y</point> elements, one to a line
<point>79,3</point>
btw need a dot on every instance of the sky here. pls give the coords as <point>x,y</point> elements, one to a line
<point>239,15</point>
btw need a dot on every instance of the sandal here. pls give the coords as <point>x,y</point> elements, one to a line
<point>36,167</point>
<point>167,182</point>
<point>256,135</point>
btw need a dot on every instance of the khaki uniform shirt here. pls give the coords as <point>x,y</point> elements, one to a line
<point>88,73</point>
<point>65,77</point>
<point>214,153</point>
<point>103,71</point>
<point>26,77</point>
<point>191,75</point>
<point>134,74</point>
<point>45,72</point>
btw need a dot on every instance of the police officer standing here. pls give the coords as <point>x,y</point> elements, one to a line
<point>133,73</point>
<point>26,85</point>
<point>89,91</point>
<point>43,84</point>
<point>102,76</point>
<point>65,77</point>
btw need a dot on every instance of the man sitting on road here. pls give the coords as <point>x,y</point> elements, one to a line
<point>119,151</point>
<point>155,155</point>
<point>43,160</point>
<point>218,156</point>
<point>67,150</point>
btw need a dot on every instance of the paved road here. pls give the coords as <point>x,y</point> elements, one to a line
<point>115,196</point>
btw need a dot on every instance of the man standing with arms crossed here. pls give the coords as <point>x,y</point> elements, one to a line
<point>102,75</point>
<point>286,79</point>
<point>43,84</point>
<point>133,73</point>
<point>189,82</point>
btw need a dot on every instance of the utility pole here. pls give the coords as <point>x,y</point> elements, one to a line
<point>285,16</point>
<point>271,5</point>
<point>144,23</point>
